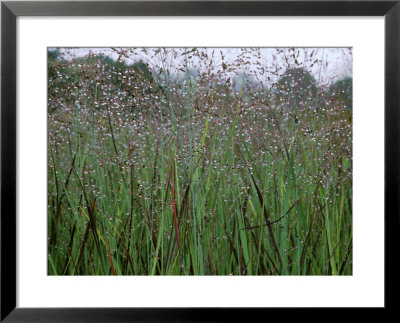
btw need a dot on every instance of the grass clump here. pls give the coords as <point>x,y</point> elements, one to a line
<point>198,162</point>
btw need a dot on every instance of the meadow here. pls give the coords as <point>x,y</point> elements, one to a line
<point>190,162</point>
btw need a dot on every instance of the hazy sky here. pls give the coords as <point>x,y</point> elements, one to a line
<point>336,62</point>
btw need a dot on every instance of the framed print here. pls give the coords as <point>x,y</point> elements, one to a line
<point>195,160</point>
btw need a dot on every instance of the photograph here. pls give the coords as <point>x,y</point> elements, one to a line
<point>197,160</point>
<point>200,161</point>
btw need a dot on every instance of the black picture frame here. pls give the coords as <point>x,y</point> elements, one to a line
<point>10,10</point>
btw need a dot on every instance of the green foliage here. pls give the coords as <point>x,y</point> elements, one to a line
<point>101,76</point>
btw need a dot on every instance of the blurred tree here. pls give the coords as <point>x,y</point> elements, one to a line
<point>298,88</point>
<point>53,54</point>
<point>245,81</point>
<point>342,90</point>
<point>54,61</point>
<point>142,69</point>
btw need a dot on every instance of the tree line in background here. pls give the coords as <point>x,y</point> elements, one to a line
<point>296,86</point>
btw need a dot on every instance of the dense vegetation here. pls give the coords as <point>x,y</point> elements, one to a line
<point>195,167</point>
